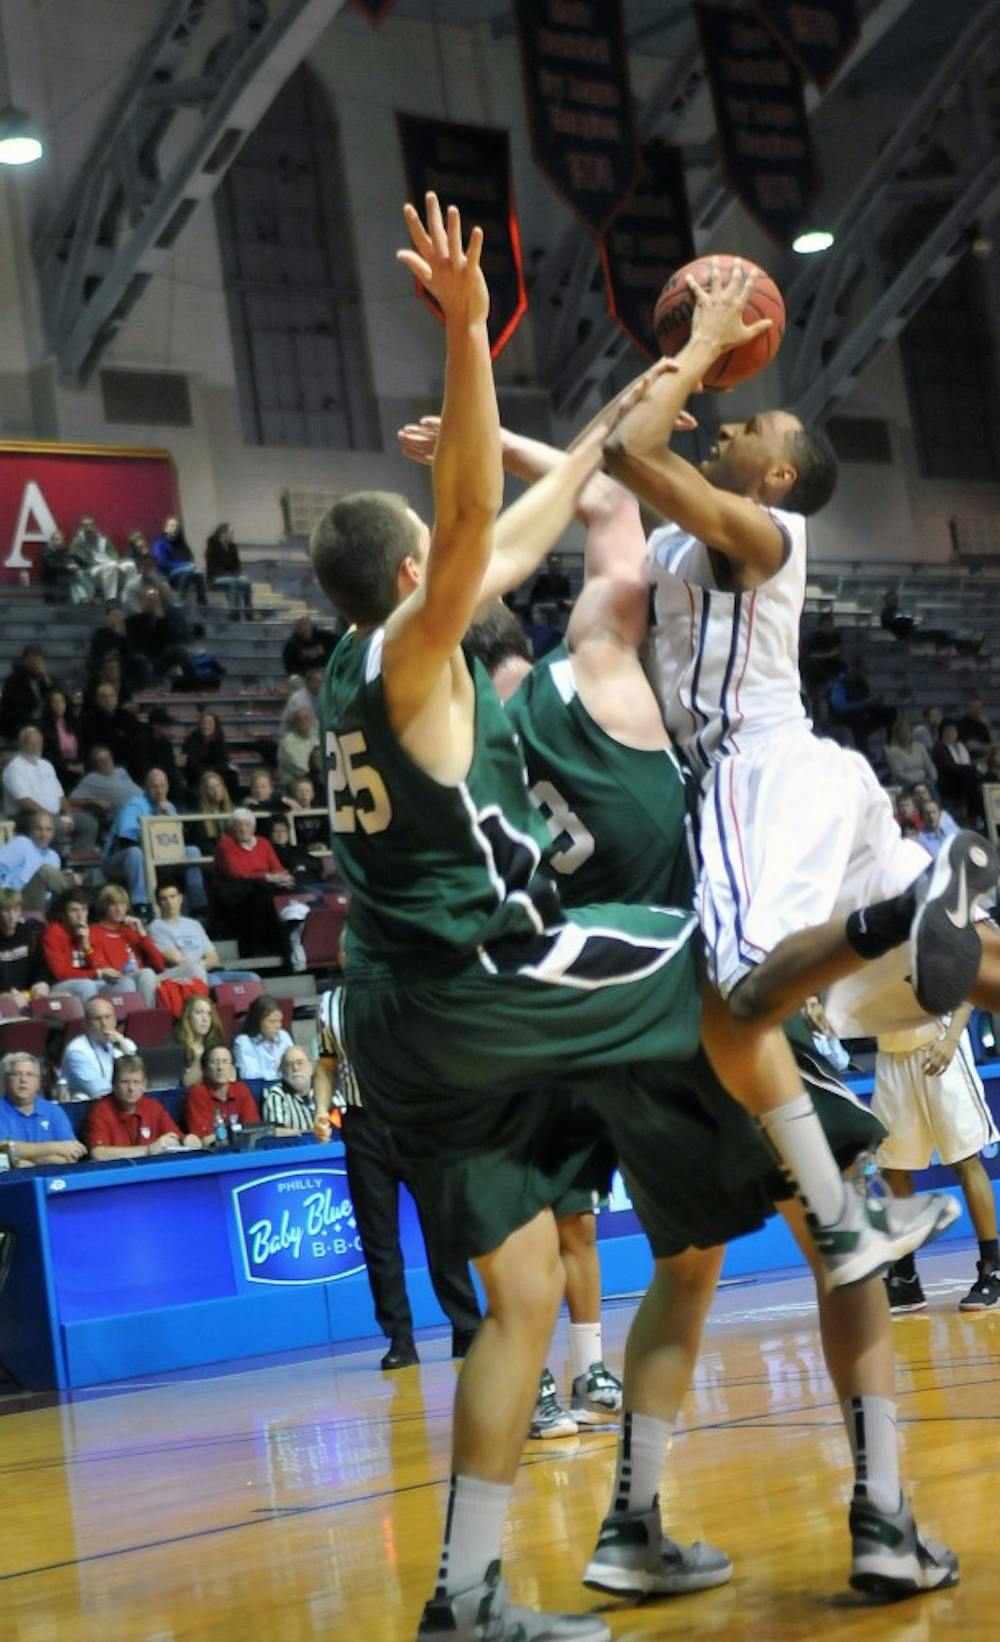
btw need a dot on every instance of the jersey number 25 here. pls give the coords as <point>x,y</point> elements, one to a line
<point>357,791</point>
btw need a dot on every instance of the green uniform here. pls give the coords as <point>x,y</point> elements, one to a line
<point>696,1167</point>
<point>471,992</point>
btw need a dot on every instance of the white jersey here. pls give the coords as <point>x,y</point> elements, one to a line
<point>725,666</point>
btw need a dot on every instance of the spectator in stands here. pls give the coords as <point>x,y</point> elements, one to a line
<point>105,723</point>
<point>109,671</point>
<point>61,735</point>
<point>908,758</point>
<point>30,783</point>
<point>248,875</point>
<point>224,571</point>
<point>258,1049</point>
<point>148,580</point>
<point>63,578</point>
<point>67,952</point>
<point>30,865</point>
<point>821,654</point>
<point>120,940</point>
<point>159,634</point>
<point>900,623</point>
<point>928,730</point>
<point>263,800</point>
<point>198,1030</point>
<point>974,729</point>
<point>33,1130</point>
<point>136,551</point>
<point>295,858</point>
<point>306,696</point>
<point>938,827</point>
<point>104,788</point>
<point>111,639</point>
<point>290,1103</point>
<point>155,751</point>
<point>128,1122</point>
<point>95,554</point>
<point>123,855</point>
<point>307,646</point>
<point>957,779</point>
<point>991,769</point>
<point>180,938</point>
<point>212,800</point>
<point>89,1059</point>
<point>22,973</point>
<point>299,801</point>
<point>908,813</point>
<point>297,744</point>
<point>855,707</point>
<point>551,585</point>
<point>25,688</point>
<point>205,749</point>
<point>219,1096</point>
<point>175,561</point>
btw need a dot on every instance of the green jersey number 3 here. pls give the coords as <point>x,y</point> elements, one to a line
<point>357,791</point>
<point>563,824</point>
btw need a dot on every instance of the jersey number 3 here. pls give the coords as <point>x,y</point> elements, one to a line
<point>357,791</point>
<point>562,823</point>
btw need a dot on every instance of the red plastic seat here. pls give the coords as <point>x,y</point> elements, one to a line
<point>10,1009</point>
<point>57,1008</point>
<point>26,1037</point>
<point>238,996</point>
<point>125,1003</point>
<point>148,1028</point>
<point>321,935</point>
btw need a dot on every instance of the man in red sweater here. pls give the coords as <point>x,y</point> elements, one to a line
<point>219,1096</point>
<point>248,876</point>
<point>127,1123</point>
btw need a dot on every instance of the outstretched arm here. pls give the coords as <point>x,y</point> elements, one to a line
<point>427,628</point>
<point>638,454</point>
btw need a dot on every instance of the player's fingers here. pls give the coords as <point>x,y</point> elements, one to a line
<point>435,224</point>
<point>418,267</point>
<point>685,422</point>
<point>697,291</point>
<point>418,233</point>
<point>432,423</point>
<point>758,328</point>
<point>453,229</point>
<point>475,247</point>
<point>716,276</point>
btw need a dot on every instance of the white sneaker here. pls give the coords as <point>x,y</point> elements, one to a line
<point>633,1557</point>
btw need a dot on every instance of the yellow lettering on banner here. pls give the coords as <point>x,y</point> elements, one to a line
<point>814,26</point>
<point>591,173</point>
<point>570,123</point>
<point>582,47</point>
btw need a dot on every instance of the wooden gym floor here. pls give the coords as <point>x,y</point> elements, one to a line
<point>302,1499</point>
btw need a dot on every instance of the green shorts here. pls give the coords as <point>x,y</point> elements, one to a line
<point>694,1162</point>
<point>475,1069</point>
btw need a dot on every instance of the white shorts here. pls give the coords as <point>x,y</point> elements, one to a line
<point>795,831</point>
<point>948,1115</point>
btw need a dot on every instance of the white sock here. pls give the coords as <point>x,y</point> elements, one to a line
<point>874,1439</point>
<point>797,1136</point>
<point>585,1342</point>
<point>642,1453</point>
<point>473,1532</point>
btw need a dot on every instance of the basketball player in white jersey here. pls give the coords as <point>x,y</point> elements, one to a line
<point>795,830</point>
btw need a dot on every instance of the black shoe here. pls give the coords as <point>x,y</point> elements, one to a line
<point>461,1340</point>
<point>905,1294</point>
<point>985,1291</point>
<point>945,951</point>
<point>402,1353</point>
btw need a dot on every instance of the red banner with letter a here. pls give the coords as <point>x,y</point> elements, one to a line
<point>469,166</point>
<point>47,487</point>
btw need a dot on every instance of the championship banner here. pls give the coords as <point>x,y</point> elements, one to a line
<point>648,239</point>
<point>374,10</point>
<point>767,155</point>
<point>46,487</point>
<point>819,35</point>
<point>469,166</point>
<point>576,86</point>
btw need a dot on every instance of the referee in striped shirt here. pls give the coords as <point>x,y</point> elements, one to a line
<point>374,1176</point>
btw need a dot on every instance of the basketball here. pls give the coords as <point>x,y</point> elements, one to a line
<point>675,304</point>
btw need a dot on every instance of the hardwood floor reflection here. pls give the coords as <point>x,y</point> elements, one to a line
<point>303,1499</point>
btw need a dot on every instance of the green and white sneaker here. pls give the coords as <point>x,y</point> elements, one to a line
<point>633,1557</point>
<point>483,1614</point>
<point>875,1231</point>
<point>890,1558</point>
<point>597,1396</point>
<point>550,1419</point>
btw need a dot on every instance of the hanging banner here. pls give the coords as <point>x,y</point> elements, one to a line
<point>648,240</point>
<point>819,35</point>
<point>576,87</point>
<point>766,152</point>
<point>374,10</point>
<point>469,166</point>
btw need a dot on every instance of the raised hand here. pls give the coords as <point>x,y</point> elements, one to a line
<point>450,272</point>
<point>718,311</point>
<point>418,440</point>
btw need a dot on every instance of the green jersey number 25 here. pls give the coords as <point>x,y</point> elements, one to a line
<point>357,791</point>
<point>563,824</point>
